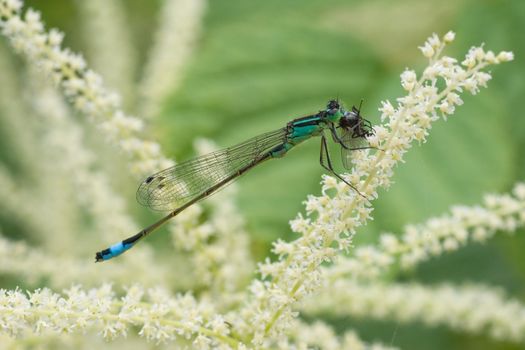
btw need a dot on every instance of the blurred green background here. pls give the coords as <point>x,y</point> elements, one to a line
<point>259,64</point>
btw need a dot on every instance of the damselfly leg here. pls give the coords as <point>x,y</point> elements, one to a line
<point>328,165</point>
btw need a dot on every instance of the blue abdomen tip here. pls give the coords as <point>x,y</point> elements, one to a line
<point>113,251</point>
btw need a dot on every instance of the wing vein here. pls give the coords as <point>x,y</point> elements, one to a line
<point>175,186</point>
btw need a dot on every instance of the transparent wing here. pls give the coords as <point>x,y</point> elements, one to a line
<point>178,185</point>
<point>352,143</point>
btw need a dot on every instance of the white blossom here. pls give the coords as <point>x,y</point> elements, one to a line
<point>159,316</point>
<point>83,87</point>
<point>447,232</point>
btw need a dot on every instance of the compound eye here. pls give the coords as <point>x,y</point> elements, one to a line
<point>333,105</point>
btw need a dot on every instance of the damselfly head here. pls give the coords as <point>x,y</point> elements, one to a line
<point>353,122</point>
<point>333,106</point>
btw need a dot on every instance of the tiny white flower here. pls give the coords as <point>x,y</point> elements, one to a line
<point>434,41</point>
<point>408,79</point>
<point>55,37</point>
<point>427,50</point>
<point>454,98</point>
<point>490,57</point>
<point>431,72</point>
<point>480,234</point>
<point>450,244</point>
<point>471,85</point>
<point>469,62</point>
<point>505,56</point>
<point>446,108</point>
<point>386,109</point>
<point>13,26</point>
<point>32,18</point>
<point>482,78</point>
<point>478,53</point>
<point>449,37</point>
<point>13,5</point>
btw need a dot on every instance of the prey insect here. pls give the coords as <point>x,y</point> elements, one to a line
<point>176,188</point>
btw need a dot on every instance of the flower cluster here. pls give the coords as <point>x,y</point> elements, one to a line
<point>35,265</point>
<point>436,236</point>
<point>83,87</point>
<point>455,306</point>
<point>159,315</point>
<point>319,335</point>
<point>65,140</point>
<point>47,123</point>
<point>107,16</point>
<point>173,45</point>
<point>333,217</point>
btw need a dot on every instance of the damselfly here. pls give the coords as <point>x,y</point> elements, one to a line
<point>176,188</point>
